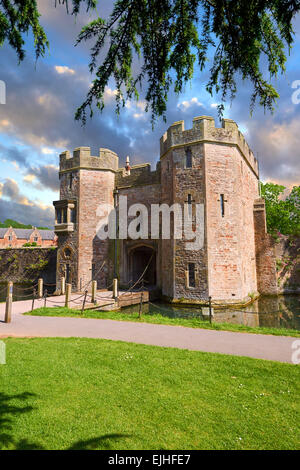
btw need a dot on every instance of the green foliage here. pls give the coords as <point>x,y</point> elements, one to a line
<point>28,244</point>
<point>283,215</point>
<point>19,17</point>
<point>171,37</point>
<point>38,266</point>
<point>14,224</point>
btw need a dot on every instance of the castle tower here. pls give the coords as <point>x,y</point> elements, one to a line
<point>214,167</point>
<point>85,183</point>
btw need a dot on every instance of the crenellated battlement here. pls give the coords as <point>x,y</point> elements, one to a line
<point>204,130</point>
<point>140,175</point>
<point>82,159</point>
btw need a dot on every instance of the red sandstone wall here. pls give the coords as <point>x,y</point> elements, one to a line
<point>68,240</point>
<point>96,187</point>
<point>189,181</point>
<point>265,253</point>
<point>230,239</point>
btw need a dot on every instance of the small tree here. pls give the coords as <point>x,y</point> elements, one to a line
<point>283,215</point>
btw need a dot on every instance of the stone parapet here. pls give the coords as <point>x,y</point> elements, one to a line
<point>140,175</point>
<point>82,159</point>
<point>204,130</point>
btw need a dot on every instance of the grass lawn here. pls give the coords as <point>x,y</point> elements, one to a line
<point>161,319</point>
<point>97,394</point>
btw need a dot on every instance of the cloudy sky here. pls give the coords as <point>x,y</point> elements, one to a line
<point>37,121</point>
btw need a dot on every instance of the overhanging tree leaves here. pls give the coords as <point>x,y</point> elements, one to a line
<point>230,38</point>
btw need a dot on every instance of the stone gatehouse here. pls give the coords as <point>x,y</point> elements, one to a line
<point>203,165</point>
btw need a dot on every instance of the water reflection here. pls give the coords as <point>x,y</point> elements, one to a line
<point>274,312</point>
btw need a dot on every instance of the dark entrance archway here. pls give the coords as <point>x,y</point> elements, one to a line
<point>139,258</point>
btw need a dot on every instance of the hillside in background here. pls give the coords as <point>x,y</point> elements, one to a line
<point>13,223</point>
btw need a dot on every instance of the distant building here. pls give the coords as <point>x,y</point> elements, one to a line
<point>17,237</point>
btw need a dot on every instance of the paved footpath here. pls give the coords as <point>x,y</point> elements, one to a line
<point>275,348</point>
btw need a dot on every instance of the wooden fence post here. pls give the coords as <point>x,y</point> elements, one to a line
<point>141,305</point>
<point>94,291</point>
<point>8,305</point>
<point>68,295</point>
<point>33,299</point>
<point>45,298</point>
<point>115,288</point>
<point>63,285</point>
<point>84,301</point>
<point>40,288</point>
<point>210,309</point>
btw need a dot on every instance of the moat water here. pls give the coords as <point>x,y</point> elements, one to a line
<point>274,312</point>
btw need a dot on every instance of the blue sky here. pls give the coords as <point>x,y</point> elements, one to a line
<point>37,121</point>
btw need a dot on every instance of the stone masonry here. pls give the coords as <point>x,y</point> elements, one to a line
<point>208,166</point>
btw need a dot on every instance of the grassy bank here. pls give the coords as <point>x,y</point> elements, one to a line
<point>161,319</point>
<point>97,394</point>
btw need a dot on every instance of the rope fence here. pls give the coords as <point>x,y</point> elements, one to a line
<point>39,291</point>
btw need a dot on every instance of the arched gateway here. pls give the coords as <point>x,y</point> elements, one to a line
<point>142,265</point>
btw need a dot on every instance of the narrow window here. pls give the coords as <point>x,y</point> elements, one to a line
<point>64,215</point>
<point>70,181</point>
<point>168,165</point>
<point>189,159</point>
<point>73,216</point>
<point>190,207</point>
<point>58,216</point>
<point>35,239</point>
<point>192,277</point>
<point>222,201</point>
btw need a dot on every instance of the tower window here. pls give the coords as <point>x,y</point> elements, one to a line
<point>222,202</point>
<point>70,181</point>
<point>59,215</point>
<point>73,216</point>
<point>192,275</point>
<point>190,207</point>
<point>188,159</point>
<point>64,215</point>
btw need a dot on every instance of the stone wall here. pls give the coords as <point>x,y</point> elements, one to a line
<point>265,254</point>
<point>28,264</point>
<point>140,175</point>
<point>230,236</point>
<point>189,181</point>
<point>67,253</point>
<point>287,258</point>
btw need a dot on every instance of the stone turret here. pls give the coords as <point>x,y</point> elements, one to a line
<point>86,181</point>
<point>204,130</point>
<point>82,158</point>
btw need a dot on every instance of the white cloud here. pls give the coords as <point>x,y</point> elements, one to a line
<point>138,115</point>
<point>185,105</point>
<point>15,164</point>
<point>63,69</point>
<point>29,178</point>
<point>48,151</point>
<point>109,94</point>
